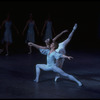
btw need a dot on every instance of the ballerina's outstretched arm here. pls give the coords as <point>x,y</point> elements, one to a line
<point>55,38</point>
<point>68,57</point>
<point>43,28</point>
<point>25,27</point>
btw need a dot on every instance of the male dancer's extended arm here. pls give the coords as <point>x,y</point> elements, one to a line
<point>37,46</point>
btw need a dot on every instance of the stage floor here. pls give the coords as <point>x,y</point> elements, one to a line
<point>17,72</point>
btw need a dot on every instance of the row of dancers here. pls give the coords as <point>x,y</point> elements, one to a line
<point>32,31</point>
<point>56,55</point>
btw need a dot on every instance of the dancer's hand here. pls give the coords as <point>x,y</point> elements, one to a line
<point>69,57</point>
<point>65,31</point>
<point>30,43</point>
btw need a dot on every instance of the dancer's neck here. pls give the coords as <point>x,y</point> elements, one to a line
<point>52,50</point>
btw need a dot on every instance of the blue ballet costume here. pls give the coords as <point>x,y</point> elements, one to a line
<point>48,31</point>
<point>8,33</point>
<point>30,33</point>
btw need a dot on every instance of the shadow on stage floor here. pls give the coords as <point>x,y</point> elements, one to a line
<point>17,72</point>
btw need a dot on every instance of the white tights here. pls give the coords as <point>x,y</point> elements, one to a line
<point>54,69</point>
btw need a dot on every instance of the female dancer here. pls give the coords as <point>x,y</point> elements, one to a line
<point>48,29</point>
<point>31,31</point>
<point>8,32</point>
<point>61,48</point>
<point>52,55</point>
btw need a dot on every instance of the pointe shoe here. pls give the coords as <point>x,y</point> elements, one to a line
<point>75,26</point>
<point>56,78</point>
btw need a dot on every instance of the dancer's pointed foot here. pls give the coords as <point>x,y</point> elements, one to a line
<point>75,26</point>
<point>56,78</point>
<point>36,80</point>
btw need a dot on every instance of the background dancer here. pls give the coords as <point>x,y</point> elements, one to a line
<point>48,30</point>
<point>31,31</point>
<point>8,32</point>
